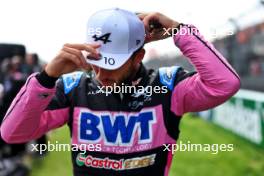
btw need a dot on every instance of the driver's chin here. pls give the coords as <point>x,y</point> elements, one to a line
<point>108,82</point>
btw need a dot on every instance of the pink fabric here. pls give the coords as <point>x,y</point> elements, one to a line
<point>28,120</point>
<point>213,84</point>
<point>169,161</point>
<point>159,133</point>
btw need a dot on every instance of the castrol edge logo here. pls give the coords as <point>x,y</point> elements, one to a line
<point>121,164</point>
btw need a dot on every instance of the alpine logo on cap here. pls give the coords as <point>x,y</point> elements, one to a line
<point>104,38</point>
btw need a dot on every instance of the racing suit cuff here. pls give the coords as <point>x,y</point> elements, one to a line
<point>45,80</point>
<point>182,29</point>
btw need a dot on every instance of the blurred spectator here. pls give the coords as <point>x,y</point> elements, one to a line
<point>255,67</point>
<point>32,64</point>
<point>12,79</point>
<point>13,74</point>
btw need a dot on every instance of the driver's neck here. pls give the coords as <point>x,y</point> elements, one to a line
<point>134,74</point>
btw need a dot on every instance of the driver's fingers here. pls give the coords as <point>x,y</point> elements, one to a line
<point>73,58</point>
<point>76,53</point>
<point>91,48</point>
<point>141,15</point>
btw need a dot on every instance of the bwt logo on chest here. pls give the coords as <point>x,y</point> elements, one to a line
<point>116,129</point>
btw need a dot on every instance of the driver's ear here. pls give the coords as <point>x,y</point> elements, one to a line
<point>139,56</point>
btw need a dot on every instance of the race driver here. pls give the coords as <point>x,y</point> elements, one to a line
<point>130,128</point>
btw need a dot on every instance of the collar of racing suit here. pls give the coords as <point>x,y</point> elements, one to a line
<point>140,79</point>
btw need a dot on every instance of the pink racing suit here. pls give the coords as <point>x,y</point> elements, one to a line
<point>128,130</point>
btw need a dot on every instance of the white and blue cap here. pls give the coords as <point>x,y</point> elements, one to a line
<point>120,34</point>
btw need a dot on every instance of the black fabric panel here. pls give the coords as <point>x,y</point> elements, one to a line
<point>45,80</point>
<point>59,100</point>
<point>183,74</point>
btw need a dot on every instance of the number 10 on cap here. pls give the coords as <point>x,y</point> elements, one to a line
<point>109,61</point>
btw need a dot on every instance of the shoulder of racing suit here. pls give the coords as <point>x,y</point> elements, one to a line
<point>171,76</point>
<point>71,80</point>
